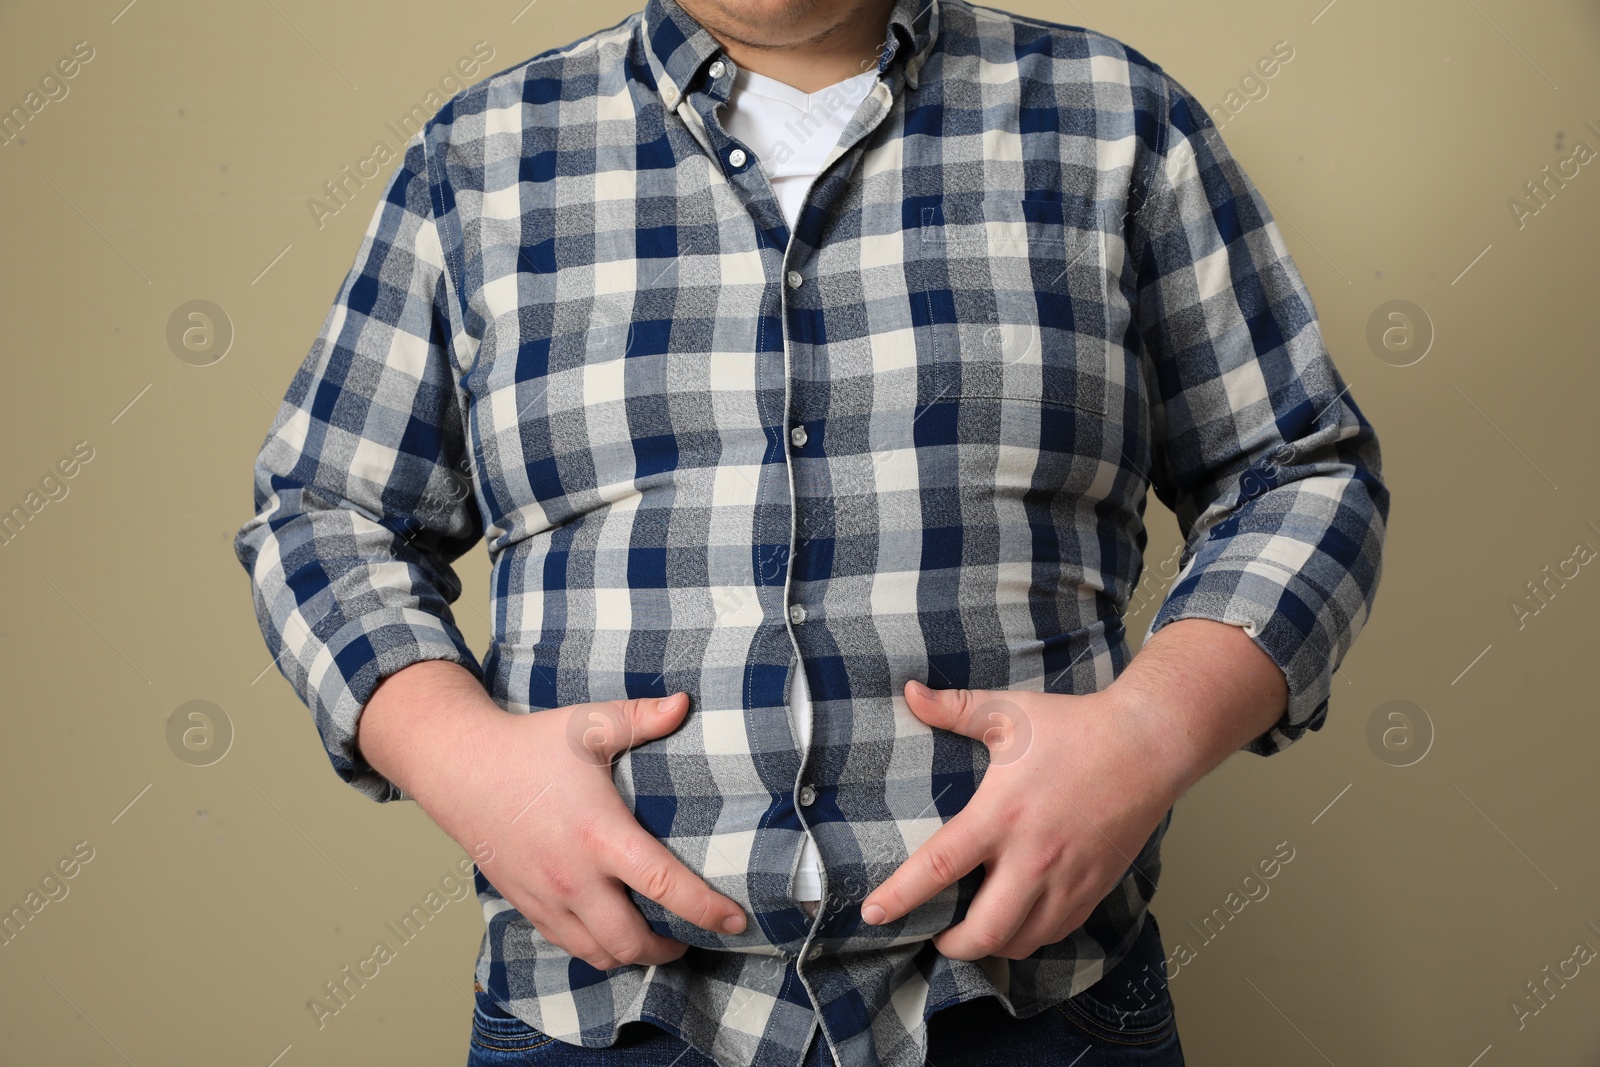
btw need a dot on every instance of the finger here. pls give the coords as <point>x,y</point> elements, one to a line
<point>647,866</point>
<point>601,731</point>
<point>1003,904</point>
<point>961,711</point>
<point>567,932</point>
<point>994,917</point>
<point>1054,916</point>
<point>613,921</point>
<point>954,850</point>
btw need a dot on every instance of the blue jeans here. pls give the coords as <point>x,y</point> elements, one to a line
<point>1123,1020</point>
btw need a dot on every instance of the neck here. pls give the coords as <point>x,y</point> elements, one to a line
<point>817,51</point>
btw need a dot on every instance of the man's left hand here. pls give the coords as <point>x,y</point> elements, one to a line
<point>1072,793</point>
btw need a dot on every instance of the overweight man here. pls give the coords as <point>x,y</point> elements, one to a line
<point>804,367</point>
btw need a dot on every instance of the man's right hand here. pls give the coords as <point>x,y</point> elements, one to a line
<point>531,798</point>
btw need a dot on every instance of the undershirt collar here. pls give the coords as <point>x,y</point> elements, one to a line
<point>761,85</point>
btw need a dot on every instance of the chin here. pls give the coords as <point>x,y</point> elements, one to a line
<point>757,15</point>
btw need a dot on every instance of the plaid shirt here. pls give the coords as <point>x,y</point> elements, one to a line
<point>911,439</point>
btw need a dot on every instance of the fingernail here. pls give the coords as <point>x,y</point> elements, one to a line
<point>733,924</point>
<point>918,689</point>
<point>872,915</point>
<point>668,705</point>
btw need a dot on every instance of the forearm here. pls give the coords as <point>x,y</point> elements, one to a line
<point>1197,692</point>
<point>428,723</point>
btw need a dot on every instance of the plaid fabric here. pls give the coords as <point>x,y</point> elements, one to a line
<point>1031,285</point>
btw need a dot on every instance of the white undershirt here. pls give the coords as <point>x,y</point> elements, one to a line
<point>790,133</point>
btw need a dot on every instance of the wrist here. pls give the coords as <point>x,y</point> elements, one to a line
<point>1168,755</point>
<point>1196,693</point>
<point>427,724</point>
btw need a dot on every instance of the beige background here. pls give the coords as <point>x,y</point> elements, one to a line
<point>220,898</point>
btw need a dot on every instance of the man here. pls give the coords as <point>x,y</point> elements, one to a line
<point>805,365</point>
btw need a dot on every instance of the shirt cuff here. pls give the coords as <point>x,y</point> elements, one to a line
<point>347,672</point>
<point>1235,580</point>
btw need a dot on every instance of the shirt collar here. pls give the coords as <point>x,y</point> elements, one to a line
<point>677,47</point>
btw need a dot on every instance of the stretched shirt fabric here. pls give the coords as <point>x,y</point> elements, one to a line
<point>913,438</point>
<point>794,132</point>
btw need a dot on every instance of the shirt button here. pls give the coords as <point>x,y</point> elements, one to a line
<point>795,279</point>
<point>737,157</point>
<point>718,68</point>
<point>816,950</point>
<point>798,436</point>
<point>807,797</point>
<point>797,614</point>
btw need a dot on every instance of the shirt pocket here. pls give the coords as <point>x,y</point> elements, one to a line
<point>1022,315</point>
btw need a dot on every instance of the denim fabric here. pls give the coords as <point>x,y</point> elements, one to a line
<point>1124,1020</point>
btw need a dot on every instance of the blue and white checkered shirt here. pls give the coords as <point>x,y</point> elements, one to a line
<point>911,439</point>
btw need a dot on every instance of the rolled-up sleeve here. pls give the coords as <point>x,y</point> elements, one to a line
<point>363,486</point>
<point>1259,448</point>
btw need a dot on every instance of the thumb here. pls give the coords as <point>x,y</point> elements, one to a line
<point>976,713</point>
<point>599,732</point>
<point>944,709</point>
<point>653,717</point>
